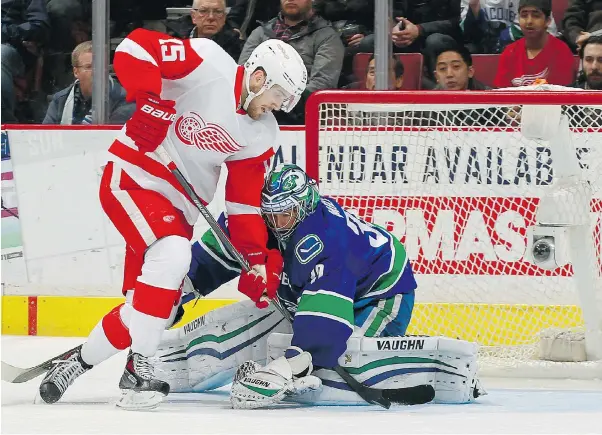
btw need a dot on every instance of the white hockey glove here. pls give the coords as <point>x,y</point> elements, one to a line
<point>258,387</point>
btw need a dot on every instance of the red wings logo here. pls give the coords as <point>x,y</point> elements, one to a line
<point>193,130</point>
<point>530,79</point>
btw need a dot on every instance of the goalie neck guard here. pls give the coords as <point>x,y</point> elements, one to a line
<point>288,192</point>
<point>283,66</point>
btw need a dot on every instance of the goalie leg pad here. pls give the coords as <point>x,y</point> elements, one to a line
<point>204,353</point>
<point>396,362</point>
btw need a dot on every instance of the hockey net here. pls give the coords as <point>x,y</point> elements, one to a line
<point>463,179</point>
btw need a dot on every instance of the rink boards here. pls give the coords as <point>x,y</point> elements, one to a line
<point>484,323</point>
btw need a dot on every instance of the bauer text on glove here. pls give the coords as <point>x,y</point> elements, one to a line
<point>150,122</point>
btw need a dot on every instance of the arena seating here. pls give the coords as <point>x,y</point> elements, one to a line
<point>485,66</point>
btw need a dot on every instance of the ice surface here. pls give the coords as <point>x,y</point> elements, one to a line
<point>87,407</point>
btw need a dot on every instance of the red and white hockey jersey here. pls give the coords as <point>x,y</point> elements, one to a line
<point>209,130</point>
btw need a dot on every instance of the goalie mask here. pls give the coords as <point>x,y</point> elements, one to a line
<point>287,197</point>
<point>284,69</point>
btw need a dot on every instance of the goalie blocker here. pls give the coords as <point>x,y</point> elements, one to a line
<point>204,355</point>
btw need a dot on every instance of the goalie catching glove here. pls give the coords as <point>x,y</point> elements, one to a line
<point>258,387</point>
<point>263,279</point>
<point>150,122</point>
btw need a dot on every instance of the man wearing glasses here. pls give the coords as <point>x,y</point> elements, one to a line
<point>209,20</point>
<point>73,104</point>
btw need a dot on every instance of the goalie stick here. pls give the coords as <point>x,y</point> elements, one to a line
<point>408,396</point>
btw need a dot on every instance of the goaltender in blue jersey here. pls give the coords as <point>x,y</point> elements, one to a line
<point>340,274</point>
<point>349,286</point>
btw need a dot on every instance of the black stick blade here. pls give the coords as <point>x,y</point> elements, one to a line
<point>370,395</point>
<point>412,395</point>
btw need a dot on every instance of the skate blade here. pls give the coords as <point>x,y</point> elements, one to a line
<point>139,401</point>
<point>37,400</point>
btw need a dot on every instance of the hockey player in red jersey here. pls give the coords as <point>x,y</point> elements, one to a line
<point>204,110</point>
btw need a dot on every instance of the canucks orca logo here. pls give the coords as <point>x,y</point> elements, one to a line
<point>308,248</point>
<point>290,182</point>
<point>286,178</point>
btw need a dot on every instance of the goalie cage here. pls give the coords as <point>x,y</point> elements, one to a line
<point>467,181</point>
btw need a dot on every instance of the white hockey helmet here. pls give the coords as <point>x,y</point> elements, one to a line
<point>283,67</point>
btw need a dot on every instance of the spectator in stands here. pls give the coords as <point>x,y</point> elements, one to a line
<point>538,55</point>
<point>591,61</point>
<point>590,79</point>
<point>24,31</point>
<point>581,18</point>
<point>352,117</point>
<point>490,25</point>
<point>426,27</point>
<point>73,104</point>
<point>454,71</point>
<point>245,15</point>
<point>207,19</point>
<point>70,25</point>
<point>396,71</point>
<point>316,41</point>
<point>395,74</point>
<point>354,20</point>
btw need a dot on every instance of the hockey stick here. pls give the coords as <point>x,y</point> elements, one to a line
<point>217,230</point>
<point>16,375</point>
<point>409,396</point>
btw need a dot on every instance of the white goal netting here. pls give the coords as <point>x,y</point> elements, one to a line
<point>463,179</point>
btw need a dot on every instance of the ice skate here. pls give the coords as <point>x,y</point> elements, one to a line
<point>140,388</point>
<point>61,375</point>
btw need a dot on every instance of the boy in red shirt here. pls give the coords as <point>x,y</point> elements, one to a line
<point>538,55</point>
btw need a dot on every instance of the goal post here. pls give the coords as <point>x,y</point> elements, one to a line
<point>497,197</point>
